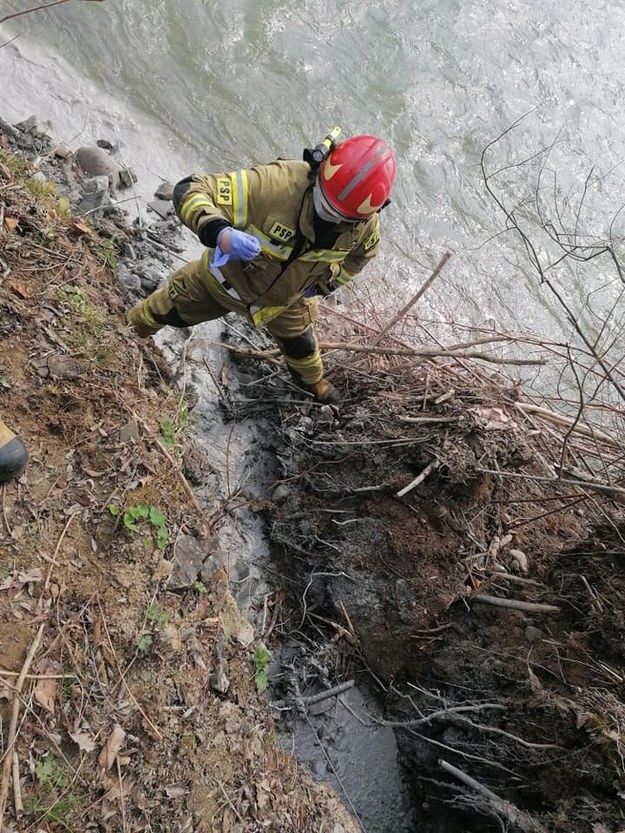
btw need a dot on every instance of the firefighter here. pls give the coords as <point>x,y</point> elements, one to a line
<point>277,236</point>
<point>13,454</point>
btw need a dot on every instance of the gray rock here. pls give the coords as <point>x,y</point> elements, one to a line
<point>62,151</point>
<point>96,195</point>
<point>533,634</point>
<point>165,191</point>
<point>39,177</point>
<point>129,252</point>
<point>281,491</point>
<point>148,283</point>
<point>322,706</point>
<point>218,679</point>
<point>128,280</point>
<point>106,145</point>
<point>163,208</point>
<point>95,161</point>
<point>189,555</point>
<point>33,126</point>
<point>127,177</point>
<point>215,561</point>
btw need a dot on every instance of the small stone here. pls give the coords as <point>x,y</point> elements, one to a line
<point>322,706</point>
<point>130,431</point>
<point>129,252</point>
<point>95,195</point>
<point>62,151</point>
<point>281,491</point>
<point>165,191</point>
<point>63,367</point>
<point>519,560</point>
<point>163,208</point>
<point>128,280</point>
<point>39,177</point>
<point>126,178</point>
<point>533,634</point>
<point>218,679</point>
<point>187,562</point>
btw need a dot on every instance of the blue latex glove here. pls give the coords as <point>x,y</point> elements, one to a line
<point>239,245</point>
<point>311,291</point>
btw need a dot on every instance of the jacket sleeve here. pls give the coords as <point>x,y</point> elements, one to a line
<point>208,203</point>
<point>356,260</point>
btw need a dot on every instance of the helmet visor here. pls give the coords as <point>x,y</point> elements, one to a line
<point>326,211</point>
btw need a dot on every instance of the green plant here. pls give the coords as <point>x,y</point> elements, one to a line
<point>200,587</point>
<point>107,250</point>
<point>157,619</point>
<point>145,643</point>
<point>170,427</point>
<point>262,657</point>
<point>142,512</point>
<point>52,778</point>
<point>51,773</point>
<point>168,432</point>
<point>75,297</point>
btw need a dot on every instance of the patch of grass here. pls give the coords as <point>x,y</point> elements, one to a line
<point>157,619</point>
<point>52,779</point>
<point>170,427</point>
<point>262,658</point>
<point>75,297</point>
<point>168,432</point>
<point>106,249</point>
<point>41,189</point>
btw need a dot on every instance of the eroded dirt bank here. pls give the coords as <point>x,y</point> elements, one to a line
<point>507,717</point>
<point>125,703</point>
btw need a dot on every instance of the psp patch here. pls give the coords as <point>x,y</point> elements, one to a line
<point>370,241</point>
<point>224,190</point>
<point>281,232</point>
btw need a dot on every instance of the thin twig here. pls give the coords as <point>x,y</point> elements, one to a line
<point>515,604</point>
<point>421,291</point>
<point>17,787</point>
<point>434,464</point>
<point>11,738</point>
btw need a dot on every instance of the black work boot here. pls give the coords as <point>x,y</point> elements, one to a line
<point>325,392</point>
<point>13,454</point>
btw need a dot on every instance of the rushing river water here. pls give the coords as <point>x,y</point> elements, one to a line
<point>217,85</point>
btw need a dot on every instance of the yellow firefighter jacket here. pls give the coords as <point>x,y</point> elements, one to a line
<point>274,203</point>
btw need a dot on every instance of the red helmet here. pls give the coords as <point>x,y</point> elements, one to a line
<point>356,177</point>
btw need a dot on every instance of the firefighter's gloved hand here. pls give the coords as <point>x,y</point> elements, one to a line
<point>235,244</point>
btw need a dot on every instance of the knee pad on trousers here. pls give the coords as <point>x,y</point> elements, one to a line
<point>300,346</point>
<point>171,318</point>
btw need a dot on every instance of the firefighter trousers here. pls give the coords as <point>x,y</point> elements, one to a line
<point>191,297</point>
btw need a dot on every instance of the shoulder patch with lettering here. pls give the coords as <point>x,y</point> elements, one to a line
<point>370,241</point>
<point>224,190</point>
<point>281,232</point>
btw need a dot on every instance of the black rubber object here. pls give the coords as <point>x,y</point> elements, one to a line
<point>13,459</point>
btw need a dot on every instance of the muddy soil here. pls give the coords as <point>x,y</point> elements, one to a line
<point>528,702</point>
